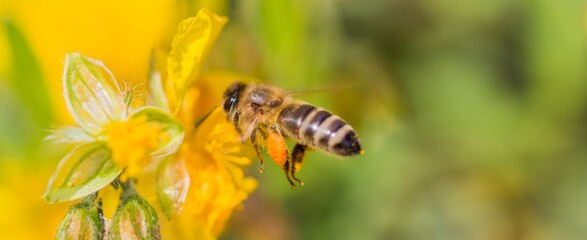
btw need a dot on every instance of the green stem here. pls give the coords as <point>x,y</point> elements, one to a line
<point>128,189</point>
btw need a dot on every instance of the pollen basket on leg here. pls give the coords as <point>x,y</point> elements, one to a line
<point>277,148</point>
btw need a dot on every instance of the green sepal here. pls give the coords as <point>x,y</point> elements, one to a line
<point>92,94</point>
<point>86,169</point>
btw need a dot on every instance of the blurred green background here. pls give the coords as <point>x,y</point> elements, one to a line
<point>473,115</point>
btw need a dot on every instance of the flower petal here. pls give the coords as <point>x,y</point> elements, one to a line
<point>172,185</point>
<point>69,135</point>
<point>190,47</point>
<point>92,94</point>
<point>171,128</point>
<point>86,169</point>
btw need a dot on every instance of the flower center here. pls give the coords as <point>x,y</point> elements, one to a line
<point>131,141</point>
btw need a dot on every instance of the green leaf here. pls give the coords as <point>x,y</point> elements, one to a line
<point>86,169</point>
<point>18,131</point>
<point>25,104</point>
<point>27,78</point>
<point>172,185</point>
<point>166,122</point>
<point>91,92</point>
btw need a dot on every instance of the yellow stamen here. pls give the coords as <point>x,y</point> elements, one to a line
<point>131,141</point>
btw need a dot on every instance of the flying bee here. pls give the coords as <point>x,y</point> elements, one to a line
<point>265,114</point>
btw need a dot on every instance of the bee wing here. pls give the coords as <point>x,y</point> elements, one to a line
<point>339,87</point>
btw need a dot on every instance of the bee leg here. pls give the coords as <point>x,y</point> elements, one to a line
<point>277,149</point>
<point>298,155</point>
<point>256,146</point>
<point>261,169</point>
<point>297,158</point>
<point>287,169</point>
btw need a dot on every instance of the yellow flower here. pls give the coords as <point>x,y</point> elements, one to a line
<point>217,170</point>
<point>208,172</point>
<point>190,46</point>
<point>102,119</point>
<point>113,135</point>
<point>132,140</point>
<point>216,163</point>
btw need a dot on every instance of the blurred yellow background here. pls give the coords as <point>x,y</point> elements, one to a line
<point>473,114</point>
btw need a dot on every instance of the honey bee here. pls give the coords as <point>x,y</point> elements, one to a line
<point>265,114</point>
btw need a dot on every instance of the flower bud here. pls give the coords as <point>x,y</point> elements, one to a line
<point>135,218</point>
<point>82,221</point>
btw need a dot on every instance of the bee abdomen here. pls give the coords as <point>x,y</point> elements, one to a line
<point>320,129</point>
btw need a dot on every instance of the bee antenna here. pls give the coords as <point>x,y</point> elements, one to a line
<point>201,120</point>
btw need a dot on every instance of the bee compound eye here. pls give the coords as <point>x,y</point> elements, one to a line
<point>230,103</point>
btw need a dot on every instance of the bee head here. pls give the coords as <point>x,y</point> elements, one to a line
<point>232,95</point>
<point>264,99</point>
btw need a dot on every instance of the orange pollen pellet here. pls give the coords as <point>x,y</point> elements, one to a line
<point>277,149</point>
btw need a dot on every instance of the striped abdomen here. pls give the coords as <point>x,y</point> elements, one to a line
<point>318,128</point>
